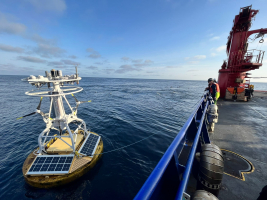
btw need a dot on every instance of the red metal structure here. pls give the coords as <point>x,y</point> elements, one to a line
<point>240,60</point>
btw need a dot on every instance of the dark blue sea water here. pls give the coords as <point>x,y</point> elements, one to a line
<point>122,111</point>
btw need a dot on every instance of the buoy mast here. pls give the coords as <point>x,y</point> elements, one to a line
<point>56,91</point>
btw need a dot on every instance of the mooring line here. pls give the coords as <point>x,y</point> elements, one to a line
<point>139,140</point>
<point>126,145</point>
<point>134,142</point>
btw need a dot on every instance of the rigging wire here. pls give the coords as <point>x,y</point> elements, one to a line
<point>261,43</point>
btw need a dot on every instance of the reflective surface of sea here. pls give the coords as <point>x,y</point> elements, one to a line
<point>122,111</point>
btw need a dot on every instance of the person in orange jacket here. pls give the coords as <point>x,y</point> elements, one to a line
<point>213,89</point>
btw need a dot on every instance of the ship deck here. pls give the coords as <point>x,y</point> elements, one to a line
<point>242,129</point>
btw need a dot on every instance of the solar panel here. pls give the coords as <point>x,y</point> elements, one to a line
<point>51,164</point>
<point>89,146</point>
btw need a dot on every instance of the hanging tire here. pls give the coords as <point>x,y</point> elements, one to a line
<point>211,168</point>
<point>202,194</point>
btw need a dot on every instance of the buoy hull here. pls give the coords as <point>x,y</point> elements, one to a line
<point>51,181</point>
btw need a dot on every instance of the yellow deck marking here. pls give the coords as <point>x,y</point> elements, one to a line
<point>242,173</point>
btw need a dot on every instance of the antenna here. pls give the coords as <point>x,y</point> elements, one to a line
<point>76,68</point>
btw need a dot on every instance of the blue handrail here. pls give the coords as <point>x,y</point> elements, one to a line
<point>174,150</point>
<point>189,164</point>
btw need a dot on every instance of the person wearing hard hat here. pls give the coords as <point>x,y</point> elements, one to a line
<point>212,89</point>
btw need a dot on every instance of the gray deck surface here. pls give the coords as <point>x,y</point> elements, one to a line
<point>242,128</point>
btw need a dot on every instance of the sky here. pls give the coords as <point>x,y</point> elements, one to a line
<point>152,39</point>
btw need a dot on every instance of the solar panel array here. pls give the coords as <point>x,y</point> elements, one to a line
<point>54,164</point>
<point>90,145</point>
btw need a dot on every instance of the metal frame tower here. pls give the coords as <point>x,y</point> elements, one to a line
<point>57,92</point>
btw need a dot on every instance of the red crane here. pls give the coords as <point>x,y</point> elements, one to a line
<point>240,59</point>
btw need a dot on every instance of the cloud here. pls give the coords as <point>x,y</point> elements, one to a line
<point>149,72</point>
<point>48,50</point>
<point>108,71</point>
<point>57,6</point>
<point>137,61</point>
<point>215,38</point>
<point>39,39</point>
<point>12,69</point>
<point>94,54</point>
<point>148,62</point>
<point>30,59</point>
<point>145,63</point>
<point>62,67</point>
<point>213,54</point>
<point>200,57</point>
<point>91,50</point>
<point>6,26</point>
<point>98,63</point>
<point>105,61</point>
<point>9,48</point>
<point>45,47</point>
<point>192,70</point>
<point>139,65</point>
<point>6,66</point>
<point>195,59</point>
<point>70,62</point>
<point>54,63</point>
<point>73,57</point>
<point>126,68</point>
<point>173,67</point>
<point>92,67</point>
<point>221,48</point>
<point>125,59</point>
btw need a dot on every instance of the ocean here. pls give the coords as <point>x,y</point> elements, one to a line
<point>122,111</point>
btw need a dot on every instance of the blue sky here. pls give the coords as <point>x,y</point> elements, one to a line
<point>161,39</point>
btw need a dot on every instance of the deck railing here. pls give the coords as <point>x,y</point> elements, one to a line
<point>242,57</point>
<point>170,177</point>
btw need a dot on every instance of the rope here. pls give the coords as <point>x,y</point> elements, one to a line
<point>123,147</point>
<point>199,99</point>
<point>120,148</point>
<point>126,145</point>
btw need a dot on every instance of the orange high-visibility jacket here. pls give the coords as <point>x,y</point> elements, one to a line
<point>217,87</point>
